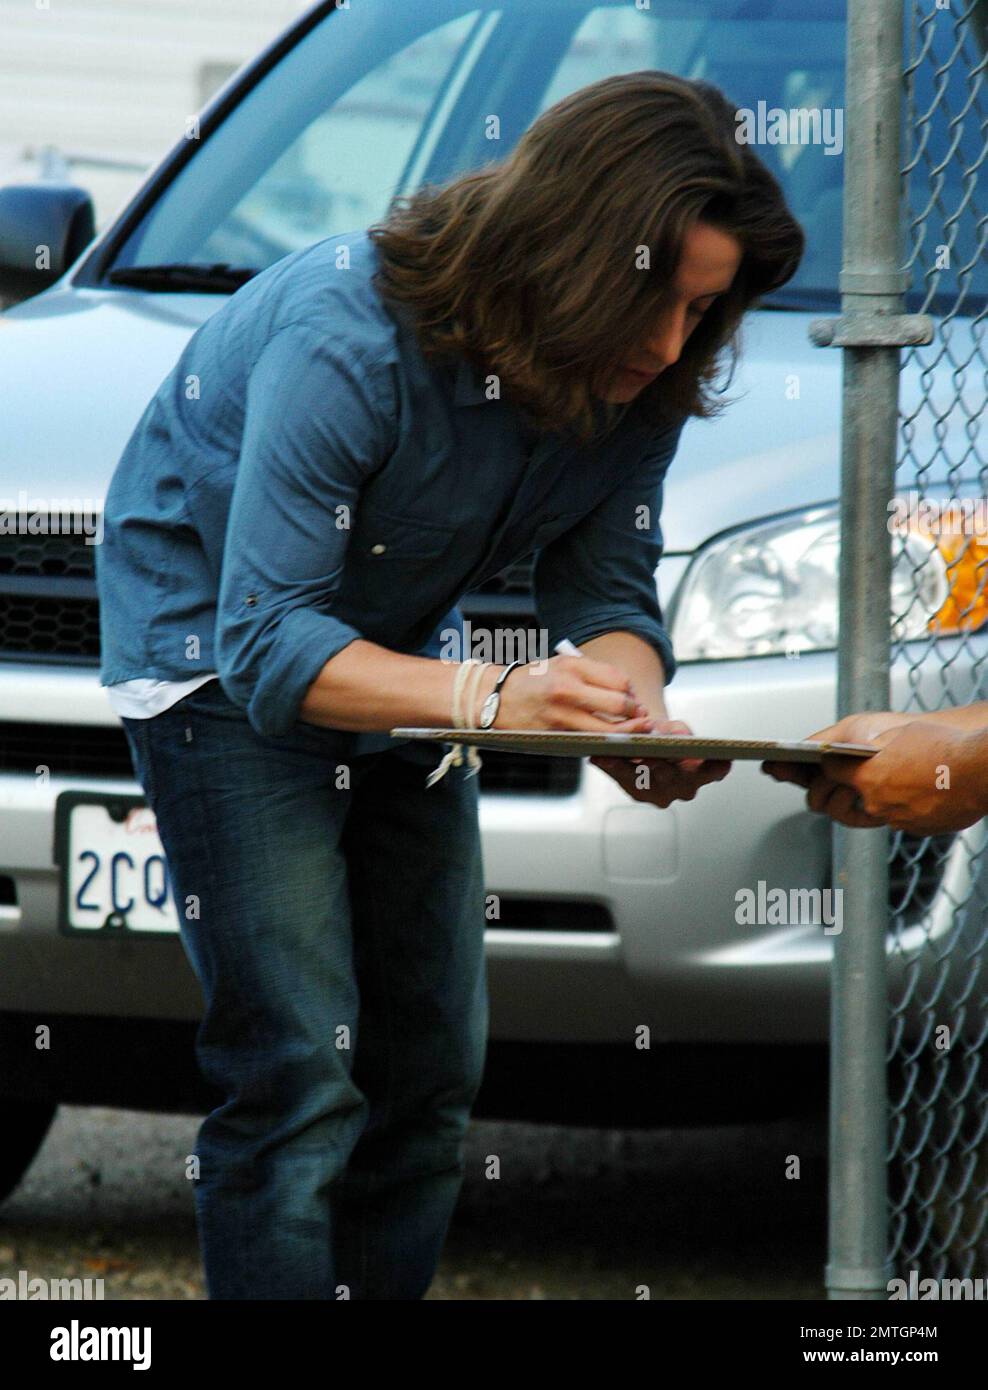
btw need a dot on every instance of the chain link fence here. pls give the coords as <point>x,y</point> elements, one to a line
<point>938,943</point>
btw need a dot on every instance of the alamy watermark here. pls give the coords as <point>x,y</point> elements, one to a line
<point>949,1290</point>
<point>78,1342</point>
<point>934,516</point>
<point>52,516</point>
<point>28,1287</point>
<point>799,125</point>
<point>500,645</point>
<point>790,907</point>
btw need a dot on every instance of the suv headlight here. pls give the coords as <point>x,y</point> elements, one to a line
<point>771,589</point>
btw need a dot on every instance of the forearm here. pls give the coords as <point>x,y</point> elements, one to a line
<point>367,688</point>
<point>975,769</point>
<point>970,717</point>
<point>641,662</point>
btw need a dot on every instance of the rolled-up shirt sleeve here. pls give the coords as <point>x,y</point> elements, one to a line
<point>318,421</point>
<point>599,576</point>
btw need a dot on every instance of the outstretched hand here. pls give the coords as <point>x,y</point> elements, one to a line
<point>926,778</point>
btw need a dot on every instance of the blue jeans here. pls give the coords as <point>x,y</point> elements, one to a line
<point>337,934</point>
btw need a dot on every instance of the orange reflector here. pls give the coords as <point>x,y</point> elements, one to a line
<point>966,558</point>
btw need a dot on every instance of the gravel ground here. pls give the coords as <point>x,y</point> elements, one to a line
<point>575,1214</point>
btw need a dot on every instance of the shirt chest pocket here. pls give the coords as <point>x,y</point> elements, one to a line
<point>386,541</point>
<point>397,569</point>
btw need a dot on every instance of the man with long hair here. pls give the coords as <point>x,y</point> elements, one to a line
<point>381,422</point>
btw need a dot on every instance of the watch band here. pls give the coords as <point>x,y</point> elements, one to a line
<point>490,707</point>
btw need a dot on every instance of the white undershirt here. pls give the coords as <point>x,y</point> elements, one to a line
<point>140,699</point>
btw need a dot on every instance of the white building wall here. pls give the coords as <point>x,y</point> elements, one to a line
<point>110,84</point>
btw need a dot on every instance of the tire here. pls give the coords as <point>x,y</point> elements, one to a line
<point>26,1123</point>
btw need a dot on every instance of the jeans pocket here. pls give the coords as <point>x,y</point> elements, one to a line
<point>138,742</point>
<point>211,699</point>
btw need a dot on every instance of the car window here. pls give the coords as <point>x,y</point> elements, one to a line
<point>797,62</point>
<point>378,98</point>
<point>344,167</point>
<point>322,142</point>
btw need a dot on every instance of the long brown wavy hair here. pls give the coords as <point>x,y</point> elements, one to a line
<point>549,268</point>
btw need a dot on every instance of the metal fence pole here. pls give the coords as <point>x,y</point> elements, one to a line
<point>872,284</point>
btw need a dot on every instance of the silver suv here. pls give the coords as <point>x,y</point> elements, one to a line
<point>613,915</point>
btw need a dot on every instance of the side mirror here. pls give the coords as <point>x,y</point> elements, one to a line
<point>44,227</point>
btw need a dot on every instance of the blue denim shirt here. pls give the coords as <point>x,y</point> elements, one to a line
<point>304,476</point>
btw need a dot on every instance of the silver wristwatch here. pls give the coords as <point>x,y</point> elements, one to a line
<point>490,707</point>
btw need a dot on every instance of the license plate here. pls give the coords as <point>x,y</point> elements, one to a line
<point>112,868</point>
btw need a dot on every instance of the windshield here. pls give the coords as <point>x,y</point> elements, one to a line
<point>380,98</point>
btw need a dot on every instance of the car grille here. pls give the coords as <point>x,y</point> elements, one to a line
<point>98,750</point>
<point>553,914</point>
<point>48,602</point>
<point>49,609</point>
<point>49,612</point>
<point>47,556</point>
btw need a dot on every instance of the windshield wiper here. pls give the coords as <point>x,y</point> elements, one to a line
<point>219,278</point>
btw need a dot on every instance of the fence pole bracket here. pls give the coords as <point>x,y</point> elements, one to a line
<point>873,330</point>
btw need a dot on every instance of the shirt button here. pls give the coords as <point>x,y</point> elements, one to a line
<point>378,549</point>
<point>250,600</point>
